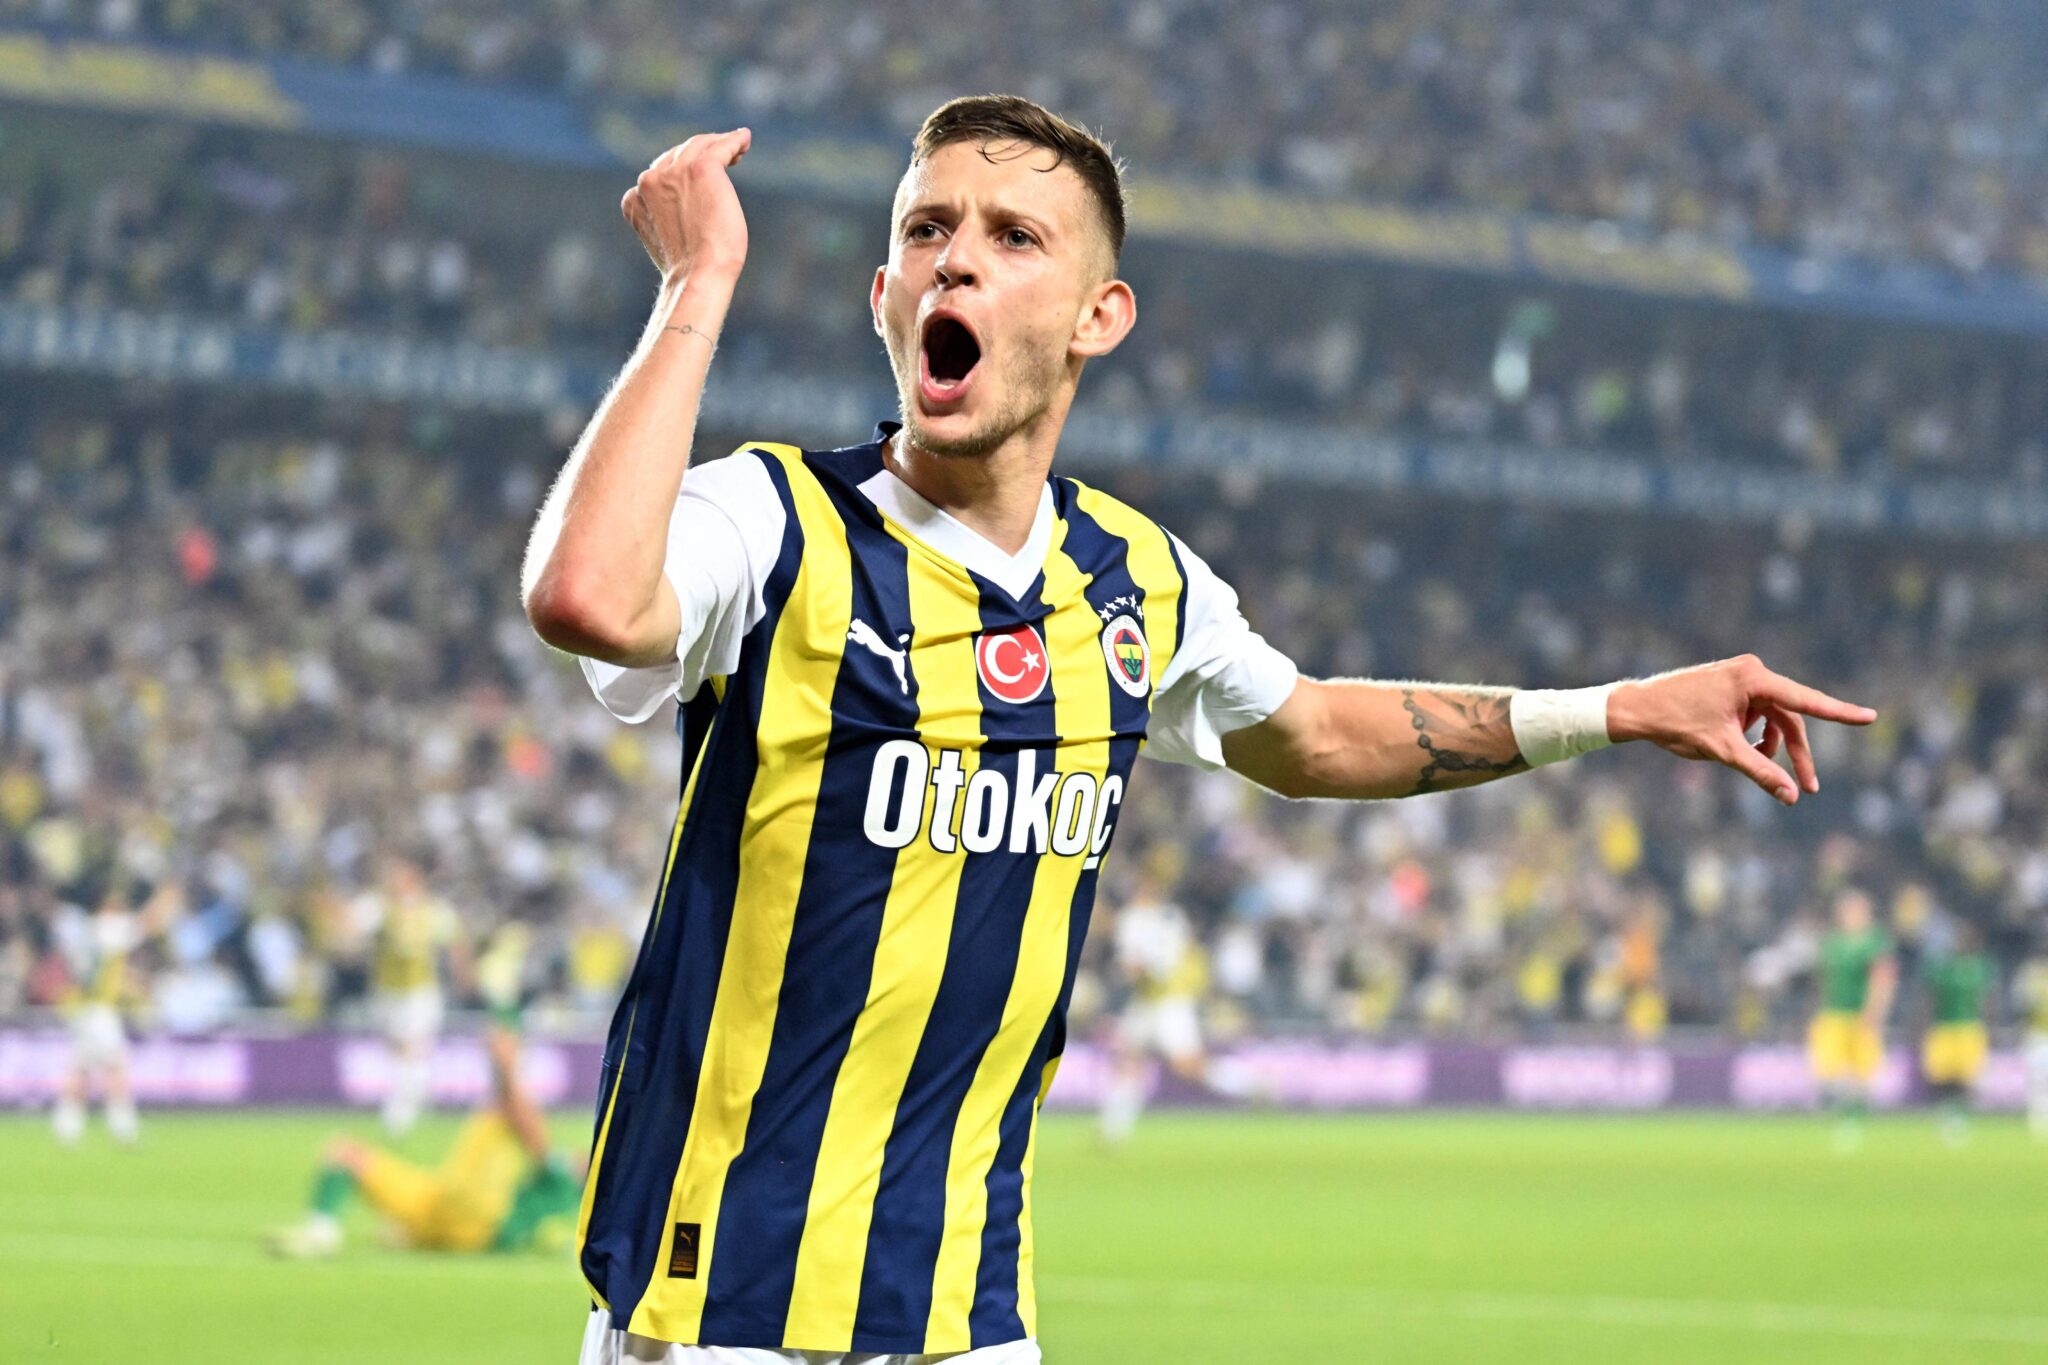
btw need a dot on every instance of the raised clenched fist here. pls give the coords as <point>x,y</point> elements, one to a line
<point>685,210</point>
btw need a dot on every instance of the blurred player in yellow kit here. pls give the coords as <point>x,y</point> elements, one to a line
<point>1858,976</point>
<point>500,1188</point>
<point>99,948</point>
<point>1167,972</point>
<point>414,928</point>
<point>2030,991</point>
<point>1953,1052</point>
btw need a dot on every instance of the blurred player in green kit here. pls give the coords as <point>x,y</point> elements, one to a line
<point>1858,976</point>
<point>1952,1054</point>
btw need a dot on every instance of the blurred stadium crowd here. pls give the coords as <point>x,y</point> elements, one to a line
<point>262,231</point>
<point>259,662</point>
<point>1793,124</point>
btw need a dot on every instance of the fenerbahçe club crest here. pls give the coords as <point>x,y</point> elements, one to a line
<point>1130,658</point>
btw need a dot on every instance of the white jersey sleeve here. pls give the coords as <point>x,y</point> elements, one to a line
<point>723,539</point>
<point>1223,676</point>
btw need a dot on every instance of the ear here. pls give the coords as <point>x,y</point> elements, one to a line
<point>1107,316</point>
<point>875,301</point>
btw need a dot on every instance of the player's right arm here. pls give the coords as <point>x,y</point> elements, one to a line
<point>522,1114</point>
<point>1883,985</point>
<point>594,583</point>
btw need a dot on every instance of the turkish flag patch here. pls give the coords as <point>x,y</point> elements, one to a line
<point>1012,663</point>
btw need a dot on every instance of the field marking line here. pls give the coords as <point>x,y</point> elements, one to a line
<point>1607,1310</point>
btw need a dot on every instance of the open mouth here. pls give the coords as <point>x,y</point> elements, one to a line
<point>950,355</point>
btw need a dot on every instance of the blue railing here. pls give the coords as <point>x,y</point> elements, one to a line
<point>823,410</point>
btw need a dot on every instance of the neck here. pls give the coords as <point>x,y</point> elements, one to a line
<point>995,495</point>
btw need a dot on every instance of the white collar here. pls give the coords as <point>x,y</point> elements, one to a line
<point>1013,573</point>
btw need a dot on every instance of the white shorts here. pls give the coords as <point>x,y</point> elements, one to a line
<point>604,1344</point>
<point>412,1016</point>
<point>1171,1027</point>
<point>2037,1052</point>
<point>97,1038</point>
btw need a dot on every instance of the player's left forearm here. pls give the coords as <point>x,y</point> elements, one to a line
<point>1884,986</point>
<point>1367,740</point>
<point>1373,739</point>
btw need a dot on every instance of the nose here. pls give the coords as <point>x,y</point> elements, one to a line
<point>956,264</point>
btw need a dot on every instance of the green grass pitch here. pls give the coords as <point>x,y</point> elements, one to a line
<point>1431,1238</point>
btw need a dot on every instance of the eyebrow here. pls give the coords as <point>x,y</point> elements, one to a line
<point>1000,212</point>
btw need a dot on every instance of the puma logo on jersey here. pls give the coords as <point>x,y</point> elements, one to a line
<point>868,638</point>
<point>682,1258</point>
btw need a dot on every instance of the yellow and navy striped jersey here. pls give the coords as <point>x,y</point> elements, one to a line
<point>99,948</point>
<point>821,1086</point>
<point>1156,945</point>
<point>411,933</point>
<point>2033,993</point>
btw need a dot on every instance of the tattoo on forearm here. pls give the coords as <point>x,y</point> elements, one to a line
<point>687,330</point>
<point>1460,733</point>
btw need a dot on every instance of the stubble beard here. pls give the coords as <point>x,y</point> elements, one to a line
<point>975,445</point>
<point>1026,400</point>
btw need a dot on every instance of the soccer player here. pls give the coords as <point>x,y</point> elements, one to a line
<point>500,1188</point>
<point>1845,1042</point>
<point>1166,972</point>
<point>414,929</point>
<point>99,948</point>
<point>1953,1052</point>
<point>2030,991</point>
<point>915,674</point>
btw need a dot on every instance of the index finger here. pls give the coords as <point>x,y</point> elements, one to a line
<point>1775,687</point>
<point>733,145</point>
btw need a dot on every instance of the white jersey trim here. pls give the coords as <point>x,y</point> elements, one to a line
<point>726,533</point>
<point>938,528</point>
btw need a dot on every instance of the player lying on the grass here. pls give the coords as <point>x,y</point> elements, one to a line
<point>500,1188</point>
<point>916,674</point>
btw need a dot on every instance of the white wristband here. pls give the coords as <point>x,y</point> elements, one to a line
<point>1550,726</point>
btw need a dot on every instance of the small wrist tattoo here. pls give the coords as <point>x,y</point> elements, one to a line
<point>687,330</point>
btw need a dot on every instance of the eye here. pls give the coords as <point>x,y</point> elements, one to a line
<point>1019,238</point>
<point>922,232</point>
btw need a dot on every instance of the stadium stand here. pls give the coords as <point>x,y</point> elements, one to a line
<point>264,231</point>
<point>257,661</point>
<point>253,658</point>
<point>1747,122</point>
